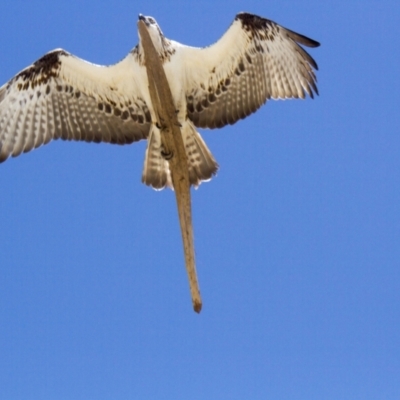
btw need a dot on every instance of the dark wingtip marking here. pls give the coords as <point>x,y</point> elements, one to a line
<point>252,21</point>
<point>42,70</point>
<point>304,40</point>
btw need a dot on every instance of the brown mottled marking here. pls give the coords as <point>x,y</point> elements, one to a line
<point>100,106</point>
<point>42,70</point>
<point>108,109</point>
<point>147,115</point>
<point>125,115</point>
<point>212,98</point>
<point>190,107</point>
<point>47,89</point>
<point>252,22</point>
<point>117,112</point>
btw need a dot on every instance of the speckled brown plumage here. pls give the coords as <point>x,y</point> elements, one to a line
<point>260,72</point>
<point>51,108</point>
<point>63,97</point>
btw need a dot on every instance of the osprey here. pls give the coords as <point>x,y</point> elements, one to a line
<point>61,96</point>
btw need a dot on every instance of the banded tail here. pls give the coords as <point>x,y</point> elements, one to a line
<point>202,165</point>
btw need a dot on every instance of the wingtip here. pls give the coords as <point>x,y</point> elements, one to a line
<point>304,40</point>
<point>314,43</point>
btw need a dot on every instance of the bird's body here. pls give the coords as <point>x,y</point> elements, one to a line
<point>62,96</point>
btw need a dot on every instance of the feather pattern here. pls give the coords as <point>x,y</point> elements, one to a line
<point>63,97</point>
<point>255,60</point>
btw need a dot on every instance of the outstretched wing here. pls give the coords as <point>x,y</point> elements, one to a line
<point>63,97</point>
<point>255,60</point>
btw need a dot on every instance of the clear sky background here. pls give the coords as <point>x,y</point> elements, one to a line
<point>297,238</point>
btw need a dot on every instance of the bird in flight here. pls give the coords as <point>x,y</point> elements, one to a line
<point>61,96</point>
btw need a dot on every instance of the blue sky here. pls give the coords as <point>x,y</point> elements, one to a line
<point>297,238</point>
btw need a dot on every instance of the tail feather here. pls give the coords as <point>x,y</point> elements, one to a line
<point>201,163</point>
<point>156,169</point>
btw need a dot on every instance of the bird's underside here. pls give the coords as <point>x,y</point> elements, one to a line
<point>63,97</point>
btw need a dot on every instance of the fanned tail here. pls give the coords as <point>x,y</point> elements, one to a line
<point>202,165</point>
